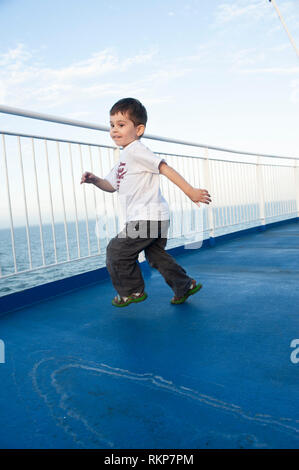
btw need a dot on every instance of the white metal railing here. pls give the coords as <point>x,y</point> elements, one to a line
<point>48,218</point>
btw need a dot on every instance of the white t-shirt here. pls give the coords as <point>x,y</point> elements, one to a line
<point>136,178</point>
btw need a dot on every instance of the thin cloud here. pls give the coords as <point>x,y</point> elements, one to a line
<point>201,54</point>
<point>26,81</point>
<point>15,56</point>
<point>257,11</point>
<point>228,11</point>
<point>271,70</point>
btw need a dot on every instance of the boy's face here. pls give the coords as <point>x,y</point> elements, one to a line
<point>123,131</point>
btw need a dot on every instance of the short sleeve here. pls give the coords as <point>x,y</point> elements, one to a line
<point>146,160</point>
<point>112,176</point>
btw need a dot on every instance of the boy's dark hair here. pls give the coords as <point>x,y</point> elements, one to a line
<point>136,111</point>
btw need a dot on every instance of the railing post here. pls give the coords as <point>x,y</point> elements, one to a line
<point>296,174</point>
<point>208,186</point>
<point>261,192</point>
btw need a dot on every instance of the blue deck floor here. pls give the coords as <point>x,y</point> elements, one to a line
<point>212,373</point>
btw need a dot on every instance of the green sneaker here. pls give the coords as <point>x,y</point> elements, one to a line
<point>193,289</point>
<point>119,301</point>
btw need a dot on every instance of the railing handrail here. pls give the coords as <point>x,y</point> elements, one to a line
<point>55,139</point>
<point>87,125</point>
<point>168,154</point>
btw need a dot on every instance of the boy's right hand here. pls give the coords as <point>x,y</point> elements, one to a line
<point>88,177</point>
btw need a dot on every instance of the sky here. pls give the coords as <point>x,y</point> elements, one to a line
<point>215,72</point>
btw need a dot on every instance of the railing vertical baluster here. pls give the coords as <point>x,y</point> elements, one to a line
<point>215,197</point>
<point>63,204</point>
<point>276,200</point>
<point>85,202</point>
<point>290,203</point>
<point>253,180</point>
<point>261,190</point>
<point>241,191</point>
<point>270,191</point>
<point>180,197</point>
<point>277,194</point>
<point>269,195</point>
<point>170,200</point>
<point>249,195</point>
<point>95,199</point>
<point>200,165</point>
<point>280,203</point>
<point>230,192</point>
<point>25,204</point>
<point>225,189</point>
<point>234,192</point>
<point>12,232</point>
<point>167,184</point>
<point>198,215</point>
<point>51,203</point>
<point>75,202</point>
<point>41,236</point>
<point>191,205</point>
<point>220,190</point>
<point>276,205</point>
<point>296,181</point>
<point>176,205</point>
<point>256,199</point>
<point>248,198</point>
<point>194,211</point>
<point>245,188</point>
<point>209,187</point>
<point>237,192</point>
<point>104,199</point>
<point>183,198</point>
<point>241,197</point>
<point>255,193</point>
<point>224,193</point>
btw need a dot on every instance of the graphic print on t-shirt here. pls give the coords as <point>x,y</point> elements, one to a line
<point>120,173</point>
<point>137,180</point>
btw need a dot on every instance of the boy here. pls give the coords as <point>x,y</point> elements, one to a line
<point>136,178</point>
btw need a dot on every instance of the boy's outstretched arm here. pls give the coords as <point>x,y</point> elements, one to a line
<point>195,194</point>
<point>101,183</point>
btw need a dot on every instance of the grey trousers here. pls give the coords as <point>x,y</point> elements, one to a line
<point>122,258</point>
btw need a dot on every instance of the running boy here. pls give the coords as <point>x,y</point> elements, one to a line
<point>136,178</point>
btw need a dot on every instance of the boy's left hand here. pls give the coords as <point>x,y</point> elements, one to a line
<point>200,195</point>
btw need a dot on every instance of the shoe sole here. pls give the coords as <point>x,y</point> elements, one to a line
<point>191,292</point>
<point>130,301</point>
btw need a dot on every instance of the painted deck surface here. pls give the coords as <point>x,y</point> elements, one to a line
<point>212,373</point>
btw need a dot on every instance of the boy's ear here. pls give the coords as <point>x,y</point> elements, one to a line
<point>140,129</point>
